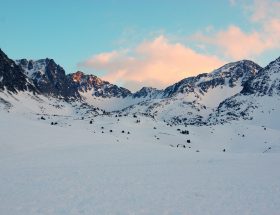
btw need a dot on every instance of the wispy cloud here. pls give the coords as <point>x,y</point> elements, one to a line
<point>232,2</point>
<point>152,63</point>
<point>264,10</point>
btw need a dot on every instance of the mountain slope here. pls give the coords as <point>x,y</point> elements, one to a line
<point>231,92</point>
<point>48,77</point>
<point>95,86</point>
<point>259,100</point>
<point>51,79</point>
<point>266,82</point>
<point>232,75</point>
<point>193,99</point>
<point>25,84</point>
<point>148,93</point>
<point>12,77</point>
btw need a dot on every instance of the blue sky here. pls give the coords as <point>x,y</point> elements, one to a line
<point>73,32</point>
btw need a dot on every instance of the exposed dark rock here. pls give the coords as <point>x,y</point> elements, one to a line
<point>12,77</point>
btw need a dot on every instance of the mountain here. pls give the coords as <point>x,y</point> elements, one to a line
<point>238,90</point>
<point>232,75</point>
<point>64,156</point>
<point>33,87</point>
<point>148,93</point>
<point>95,86</point>
<point>12,77</point>
<point>259,99</point>
<point>51,79</point>
<point>193,99</point>
<point>266,82</point>
<point>48,77</point>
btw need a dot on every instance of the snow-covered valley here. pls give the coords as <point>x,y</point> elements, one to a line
<point>75,144</point>
<point>76,167</point>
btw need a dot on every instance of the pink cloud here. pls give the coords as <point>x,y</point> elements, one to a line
<point>105,58</point>
<point>155,63</point>
<point>264,10</point>
<point>236,44</point>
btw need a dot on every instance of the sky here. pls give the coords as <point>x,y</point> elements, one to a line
<point>141,43</point>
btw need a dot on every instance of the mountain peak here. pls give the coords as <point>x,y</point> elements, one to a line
<point>244,66</point>
<point>231,74</point>
<point>77,76</point>
<point>90,83</point>
<point>147,92</point>
<point>275,63</point>
<point>82,78</point>
<point>48,76</point>
<point>266,82</point>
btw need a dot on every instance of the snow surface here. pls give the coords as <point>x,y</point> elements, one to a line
<point>110,103</point>
<point>74,168</point>
<point>38,66</point>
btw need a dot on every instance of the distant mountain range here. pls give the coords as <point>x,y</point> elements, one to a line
<point>228,93</point>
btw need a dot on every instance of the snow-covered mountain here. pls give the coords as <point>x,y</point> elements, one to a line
<point>266,82</point>
<point>258,100</point>
<point>48,77</point>
<point>51,79</point>
<point>231,92</point>
<point>193,99</point>
<point>97,87</point>
<point>231,75</point>
<point>148,93</point>
<point>39,87</point>
<point>12,77</point>
<point>61,153</point>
